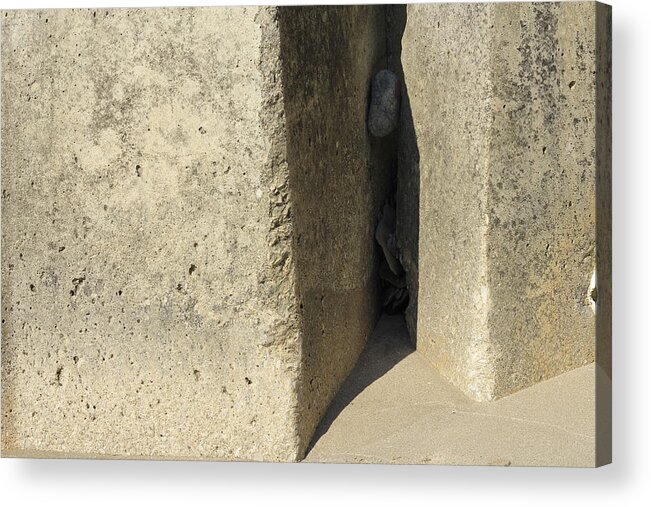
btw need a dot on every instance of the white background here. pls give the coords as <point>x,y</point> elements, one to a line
<point>626,482</point>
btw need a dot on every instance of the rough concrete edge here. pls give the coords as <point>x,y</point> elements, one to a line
<point>481,366</point>
<point>285,333</point>
<point>306,427</point>
<point>4,444</point>
<point>477,381</point>
<point>603,206</point>
<point>278,274</point>
<point>479,361</point>
<point>494,393</point>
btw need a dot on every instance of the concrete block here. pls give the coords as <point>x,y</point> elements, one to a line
<point>185,274</point>
<point>513,198</point>
<point>339,178</point>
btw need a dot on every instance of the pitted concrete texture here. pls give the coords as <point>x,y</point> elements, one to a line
<point>339,178</point>
<point>512,196</point>
<point>394,408</point>
<point>157,218</point>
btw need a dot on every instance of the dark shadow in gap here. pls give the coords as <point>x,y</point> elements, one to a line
<point>388,345</point>
<point>390,342</point>
<point>408,169</point>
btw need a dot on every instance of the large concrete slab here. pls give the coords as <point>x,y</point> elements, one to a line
<point>511,156</point>
<point>163,197</point>
<point>395,408</point>
<point>339,179</point>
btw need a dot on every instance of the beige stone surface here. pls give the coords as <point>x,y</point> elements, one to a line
<point>157,215</point>
<point>339,178</point>
<point>189,199</point>
<point>503,110</point>
<point>136,196</point>
<point>395,408</point>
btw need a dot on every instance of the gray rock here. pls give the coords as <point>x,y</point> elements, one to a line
<point>385,104</point>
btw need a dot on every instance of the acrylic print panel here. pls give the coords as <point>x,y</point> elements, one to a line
<point>367,234</point>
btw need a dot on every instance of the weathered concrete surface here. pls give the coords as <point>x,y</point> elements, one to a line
<point>137,182</point>
<point>339,178</point>
<point>157,294</point>
<point>395,408</point>
<point>502,99</point>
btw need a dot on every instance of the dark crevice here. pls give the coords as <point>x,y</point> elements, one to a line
<point>393,277</point>
<point>407,193</point>
<point>396,237</point>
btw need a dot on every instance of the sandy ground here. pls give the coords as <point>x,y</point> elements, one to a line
<point>395,408</point>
